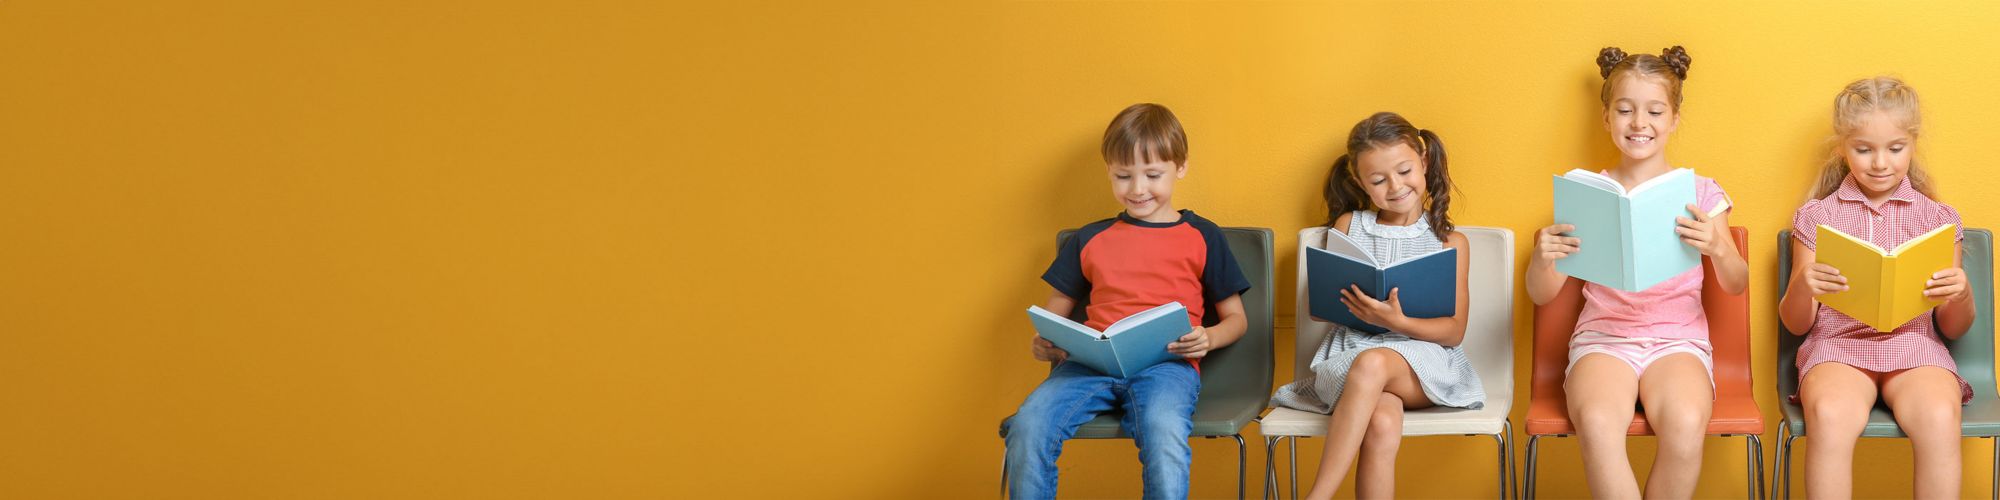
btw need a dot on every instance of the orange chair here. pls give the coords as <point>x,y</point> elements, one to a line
<point>1736,412</point>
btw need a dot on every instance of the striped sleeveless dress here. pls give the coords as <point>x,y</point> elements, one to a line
<point>1444,372</point>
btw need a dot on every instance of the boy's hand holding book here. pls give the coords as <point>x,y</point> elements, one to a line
<point>1194,345</point>
<point>1047,351</point>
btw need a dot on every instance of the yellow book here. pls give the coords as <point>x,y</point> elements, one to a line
<point>1885,288</point>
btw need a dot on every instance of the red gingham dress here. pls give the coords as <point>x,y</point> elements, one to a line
<point>1842,339</point>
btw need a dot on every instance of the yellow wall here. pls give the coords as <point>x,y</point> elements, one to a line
<point>599,249</point>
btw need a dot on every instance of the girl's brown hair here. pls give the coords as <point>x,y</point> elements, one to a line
<point>1851,106</point>
<point>1343,187</point>
<point>1670,68</point>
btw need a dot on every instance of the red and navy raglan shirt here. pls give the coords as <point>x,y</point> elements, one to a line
<point>1125,266</point>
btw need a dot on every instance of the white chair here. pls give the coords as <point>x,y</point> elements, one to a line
<point>1489,342</point>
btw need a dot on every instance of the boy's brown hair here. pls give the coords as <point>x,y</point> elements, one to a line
<point>1145,133</point>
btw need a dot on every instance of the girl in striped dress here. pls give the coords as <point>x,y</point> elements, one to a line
<point>1873,187</point>
<point>1390,194</point>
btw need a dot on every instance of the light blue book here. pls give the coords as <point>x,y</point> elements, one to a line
<point>1628,238</point>
<point>1135,343</point>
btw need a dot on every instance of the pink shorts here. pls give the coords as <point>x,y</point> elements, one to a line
<point>1639,352</point>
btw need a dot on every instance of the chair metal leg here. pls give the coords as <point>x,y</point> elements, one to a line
<point>1781,487</point>
<point>1242,464</point>
<point>1513,482</point>
<point>1996,468</point>
<point>1295,466</point>
<point>1528,488</point>
<point>1499,447</point>
<point>1755,445</point>
<point>1270,467</point>
<point>1757,453</point>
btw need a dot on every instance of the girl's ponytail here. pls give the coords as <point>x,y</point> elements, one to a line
<point>1342,194</point>
<point>1437,184</point>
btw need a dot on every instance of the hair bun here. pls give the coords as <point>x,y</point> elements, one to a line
<point>1677,59</point>
<point>1608,58</point>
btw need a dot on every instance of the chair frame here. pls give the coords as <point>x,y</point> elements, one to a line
<point>1711,296</point>
<point>1500,391</point>
<point>1256,341</point>
<point>1781,485</point>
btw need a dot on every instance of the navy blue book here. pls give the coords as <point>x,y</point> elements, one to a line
<point>1427,284</point>
<point>1135,343</point>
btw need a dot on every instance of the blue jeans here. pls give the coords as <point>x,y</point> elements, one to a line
<point>1159,412</point>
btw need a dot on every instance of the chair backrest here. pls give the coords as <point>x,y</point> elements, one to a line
<point>1489,325</point>
<point>1973,351</point>
<point>1243,367</point>
<point>1728,331</point>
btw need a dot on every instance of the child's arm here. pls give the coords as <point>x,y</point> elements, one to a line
<point>1955,316</point>
<point>1446,331</point>
<point>1226,331</point>
<point>1710,234</point>
<point>1044,350</point>
<point>1544,281</point>
<point>1798,308</point>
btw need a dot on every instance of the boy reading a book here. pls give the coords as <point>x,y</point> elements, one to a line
<point>1151,254</point>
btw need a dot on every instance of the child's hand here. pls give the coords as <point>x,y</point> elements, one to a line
<point>1701,233</point>
<point>1046,351</point>
<point>1193,345</point>
<point>1550,244</point>
<point>1380,313</point>
<point>1949,285</point>
<point>1822,279</point>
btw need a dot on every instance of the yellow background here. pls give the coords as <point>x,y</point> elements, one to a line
<point>600,249</point>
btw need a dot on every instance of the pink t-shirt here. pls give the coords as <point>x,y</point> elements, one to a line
<point>1668,310</point>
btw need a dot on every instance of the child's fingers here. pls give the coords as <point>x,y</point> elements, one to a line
<point>1698,214</point>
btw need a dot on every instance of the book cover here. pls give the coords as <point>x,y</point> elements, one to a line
<point>1427,284</point>
<point>1885,288</point>
<point>1135,343</point>
<point>1628,238</point>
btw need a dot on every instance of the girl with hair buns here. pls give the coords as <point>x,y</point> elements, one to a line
<point>1872,186</point>
<point>1648,347</point>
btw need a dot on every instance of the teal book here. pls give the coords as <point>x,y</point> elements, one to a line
<point>1135,343</point>
<point>1628,238</point>
<point>1426,284</point>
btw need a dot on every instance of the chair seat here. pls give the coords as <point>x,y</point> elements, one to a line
<point>1980,418</point>
<point>1733,414</point>
<point>1213,417</point>
<point>1425,422</point>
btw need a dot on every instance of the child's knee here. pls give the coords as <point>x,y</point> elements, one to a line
<point>1929,419</point>
<point>1371,367</point>
<point>1599,416</point>
<point>1839,417</point>
<point>1679,420</point>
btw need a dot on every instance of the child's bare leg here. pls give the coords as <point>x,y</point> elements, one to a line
<point>1678,399</point>
<point>1836,398</point>
<point>1373,373</point>
<point>1602,391</point>
<point>1375,475</point>
<point>1925,401</point>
